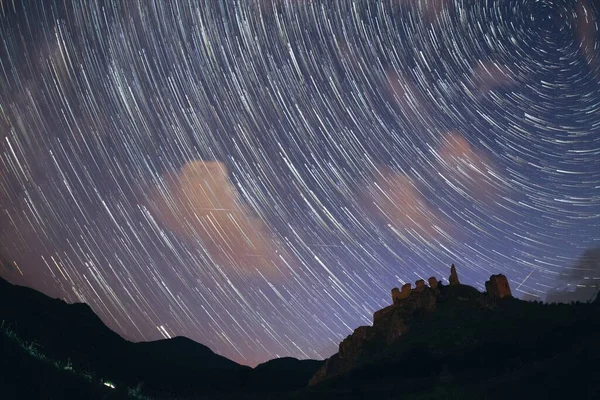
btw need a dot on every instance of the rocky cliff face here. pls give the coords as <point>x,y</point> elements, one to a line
<point>392,322</point>
<point>389,324</point>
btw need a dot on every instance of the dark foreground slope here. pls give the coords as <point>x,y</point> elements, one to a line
<point>178,367</point>
<point>457,343</point>
<point>283,374</point>
<point>27,374</point>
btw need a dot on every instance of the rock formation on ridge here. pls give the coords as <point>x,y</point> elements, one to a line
<point>408,305</point>
<point>498,286</point>
<point>453,276</point>
<point>433,283</point>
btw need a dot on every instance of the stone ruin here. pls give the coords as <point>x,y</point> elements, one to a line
<point>498,286</point>
<point>392,322</point>
<point>405,292</point>
<point>395,295</point>
<point>420,286</point>
<point>433,283</point>
<point>453,276</point>
<point>398,295</point>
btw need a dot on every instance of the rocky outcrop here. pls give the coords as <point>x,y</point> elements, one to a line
<point>398,295</point>
<point>354,346</point>
<point>389,324</point>
<point>433,283</point>
<point>498,286</point>
<point>394,321</point>
<point>453,279</point>
<point>406,291</point>
<point>395,295</point>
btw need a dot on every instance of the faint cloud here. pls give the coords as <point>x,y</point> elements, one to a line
<point>587,33</point>
<point>468,169</point>
<point>407,96</point>
<point>394,199</point>
<point>490,75</point>
<point>200,205</point>
<point>400,202</point>
<point>402,90</point>
<point>429,9</point>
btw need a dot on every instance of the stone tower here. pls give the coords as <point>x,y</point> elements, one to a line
<point>433,283</point>
<point>395,295</point>
<point>453,276</point>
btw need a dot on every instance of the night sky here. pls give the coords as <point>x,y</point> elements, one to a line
<point>258,174</point>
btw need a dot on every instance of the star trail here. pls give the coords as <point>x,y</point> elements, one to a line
<point>258,174</point>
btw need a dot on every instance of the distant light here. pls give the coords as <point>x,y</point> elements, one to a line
<point>109,384</point>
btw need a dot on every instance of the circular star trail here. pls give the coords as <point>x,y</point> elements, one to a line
<point>257,175</point>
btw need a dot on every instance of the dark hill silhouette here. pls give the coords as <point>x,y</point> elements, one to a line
<point>61,331</point>
<point>170,367</point>
<point>183,351</point>
<point>23,377</point>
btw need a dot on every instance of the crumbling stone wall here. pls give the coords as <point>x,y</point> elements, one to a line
<point>398,296</point>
